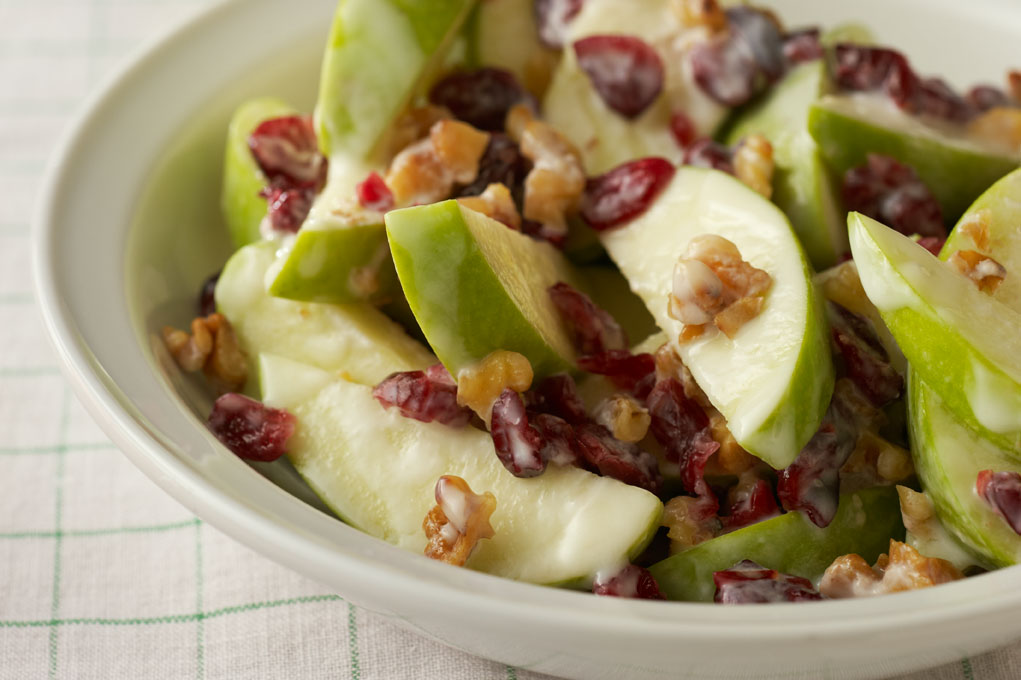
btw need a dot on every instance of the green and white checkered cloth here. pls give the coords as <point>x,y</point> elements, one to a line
<point>101,574</point>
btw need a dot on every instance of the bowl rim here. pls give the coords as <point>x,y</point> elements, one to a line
<point>471,591</point>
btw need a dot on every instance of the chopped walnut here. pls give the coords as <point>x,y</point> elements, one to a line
<point>706,13</point>
<point>624,417</point>
<point>714,287</point>
<point>426,171</point>
<point>753,164</point>
<point>916,510</point>
<point>976,227</point>
<point>903,569</point>
<point>556,181</point>
<point>689,521</point>
<point>459,147</point>
<point>496,202</point>
<point>984,271</point>
<point>458,521</point>
<point>212,347</point>
<point>730,458</point>
<point>874,462</point>
<point>413,125</point>
<point>1000,125</point>
<point>479,386</point>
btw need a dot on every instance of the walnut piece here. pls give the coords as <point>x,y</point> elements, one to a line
<point>426,171</point>
<point>458,521</point>
<point>459,147</point>
<point>689,521</point>
<point>976,227</point>
<point>496,202</point>
<point>625,418</point>
<point>753,164</point>
<point>713,287</point>
<point>706,13</point>
<point>1000,125</point>
<point>902,569</point>
<point>730,458</point>
<point>984,271</point>
<point>413,125</point>
<point>212,348</point>
<point>479,386</point>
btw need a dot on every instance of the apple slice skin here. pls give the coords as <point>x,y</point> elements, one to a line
<point>377,53</point>
<point>470,301</point>
<point>802,186</point>
<point>948,457</point>
<point>243,208</point>
<point>783,355</point>
<point>942,321</point>
<point>357,338</point>
<point>864,524</point>
<point>956,171</point>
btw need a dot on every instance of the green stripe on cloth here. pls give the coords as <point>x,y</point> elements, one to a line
<point>200,628</point>
<point>87,533</point>
<point>352,641</point>
<point>65,417</point>
<point>966,669</point>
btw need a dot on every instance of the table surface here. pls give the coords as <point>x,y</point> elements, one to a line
<point>101,574</point>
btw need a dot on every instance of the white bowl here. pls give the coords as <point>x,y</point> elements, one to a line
<point>129,226</point>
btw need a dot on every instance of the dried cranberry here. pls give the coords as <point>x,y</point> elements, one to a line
<point>861,68</point>
<point>625,192</point>
<point>559,441</point>
<point>812,482</point>
<point>802,46</point>
<point>934,244</point>
<point>891,192</point>
<point>626,71</point>
<point>752,503</point>
<point>865,359</point>
<point>502,163</point>
<point>625,369</point>
<point>518,444</point>
<point>760,32</point>
<point>620,460</point>
<point>631,581</point>
<point>287,208</point>
<point>936,98</point>
<point>592,329</point>
<point>552,18</point>
<point>207,296</point>
<point>1002,491</point>
<point>425,396</point>
<point>480,98</point>
<point>251,429</point>
<point>981,98</point>
<point>705,153</point>
<point>682,428</point>
<point>747,583</point>
<point>558,395</point>
<point>682,127</point>
<point>287,151</point>
<point>374,194</point>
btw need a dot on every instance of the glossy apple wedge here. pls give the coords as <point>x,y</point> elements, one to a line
<point>243,207</point>
<point>503,34</point>
<point>864,524</point>
<point>476,286</point>
<point>963,343</point>
<point>955,168</point>
<point>948,457</point>
<point>357,339</point>
<point>377,470</point>
<point>802,186</point>
<point>378,53</point>
<point>783,355</point>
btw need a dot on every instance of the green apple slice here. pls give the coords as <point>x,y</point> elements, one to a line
<point>503,34</point>
<point>605,138</point>
<point>610,290</point>
<point>357,339</point>
<point>956,168</point>
<point>243,179</point>
<point>864,524</point>
<point>377,471</point>
<point>948,457</point>
<point>476,286</point>
<point>802,186</point>
<point>782,357</point>
<point>963,343</point>
<point>379,52</point>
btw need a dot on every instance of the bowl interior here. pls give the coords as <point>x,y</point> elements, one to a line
<point>130,227</point>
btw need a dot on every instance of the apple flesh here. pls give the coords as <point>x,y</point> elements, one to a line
<point>802,186</point>
<point>954,167</point>
<point>357,339</point>
<point>243,179</point>
<point>476,286</point>
<point>864,524</point>
<point>503,34</point>
<point>783,355</point>
<point>377,470</point>
<point>962,343</point>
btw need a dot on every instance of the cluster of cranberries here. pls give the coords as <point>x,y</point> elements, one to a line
<point>891,192</point>
<point>747,583</point>
<point>288,155</point>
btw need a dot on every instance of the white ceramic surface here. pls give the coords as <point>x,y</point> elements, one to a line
<point>127,229</point>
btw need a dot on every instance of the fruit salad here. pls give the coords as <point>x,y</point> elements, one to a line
<point>664,300</point>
